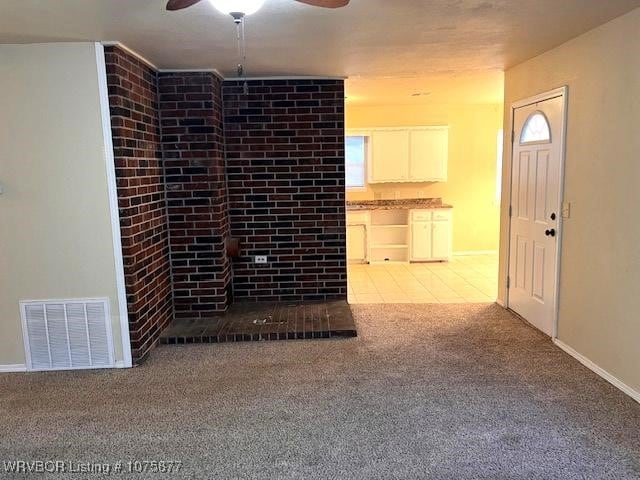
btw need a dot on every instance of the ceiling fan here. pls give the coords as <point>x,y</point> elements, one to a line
<point>173,5</point>
<point>239,9</point>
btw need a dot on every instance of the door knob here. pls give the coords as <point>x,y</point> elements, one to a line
<point>550,233</point>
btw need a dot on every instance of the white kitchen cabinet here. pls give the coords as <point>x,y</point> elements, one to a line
<point>399,235</point>
<point>428,154</point>
<point>389,156</point>
<point>421,239</point>
<point>430,235</point>
<point>440,240</point>
<point>416,154</point>
<point>357,242</point>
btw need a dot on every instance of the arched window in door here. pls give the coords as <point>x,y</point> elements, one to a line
<point>536,129</point>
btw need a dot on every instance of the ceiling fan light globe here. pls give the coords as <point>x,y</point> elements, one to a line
<point>241,6</point>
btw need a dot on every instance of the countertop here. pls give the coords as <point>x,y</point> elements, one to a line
<point>404,203</point>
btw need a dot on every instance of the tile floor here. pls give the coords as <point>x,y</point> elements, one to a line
<point>466,279</point>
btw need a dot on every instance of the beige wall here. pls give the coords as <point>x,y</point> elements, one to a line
<point>471,184</point>
<point>600,268</point>
<point>55,227</point>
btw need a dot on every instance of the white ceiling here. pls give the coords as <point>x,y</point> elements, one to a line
<point>389,49</point>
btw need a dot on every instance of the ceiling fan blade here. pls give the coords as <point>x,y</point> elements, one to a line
<point>180,4</point>
<point>326,3</point>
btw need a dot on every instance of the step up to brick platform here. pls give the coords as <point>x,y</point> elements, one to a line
<point>248,322</point>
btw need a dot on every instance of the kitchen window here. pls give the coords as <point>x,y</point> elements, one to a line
<point>356,150</point>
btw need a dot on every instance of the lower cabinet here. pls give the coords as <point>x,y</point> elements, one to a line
<point>421,239</point>
<point>389,238</point>
<point>356,243</point>
<point>430,235</point>
<point>399,235</point>
<point>440,240</point>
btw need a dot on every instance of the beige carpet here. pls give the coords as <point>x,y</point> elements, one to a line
<point>429,391</point>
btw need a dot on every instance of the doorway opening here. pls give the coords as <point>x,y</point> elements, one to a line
<point>423,203</point>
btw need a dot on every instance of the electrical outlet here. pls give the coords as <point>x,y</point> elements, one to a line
<point>566,210</point>
<point>262,259</point>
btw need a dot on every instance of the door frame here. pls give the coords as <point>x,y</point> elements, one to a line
<point>555,93</point>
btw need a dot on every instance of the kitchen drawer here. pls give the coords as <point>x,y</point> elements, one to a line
<point>358,218</point>
<point>421,216</point>
<point>440,215</point>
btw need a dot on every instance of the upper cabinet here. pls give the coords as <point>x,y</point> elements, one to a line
<point>418,154</point>
<point>389,156</point>
<point>428,154</point>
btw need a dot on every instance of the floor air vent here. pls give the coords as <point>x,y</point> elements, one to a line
<point>67,334</point>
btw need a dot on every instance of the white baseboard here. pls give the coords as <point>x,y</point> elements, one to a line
<point>16,367</point>
<point>474,252</point>
<point>501,303</point>
<point>599,371</point>
<point>21,367</point>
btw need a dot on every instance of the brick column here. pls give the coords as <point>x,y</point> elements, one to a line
<point>141,197</point>
<point>193,149</point>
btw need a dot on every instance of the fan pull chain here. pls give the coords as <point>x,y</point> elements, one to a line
<point>239,19</point>
<point>245,87</point>
<point>239,40</point>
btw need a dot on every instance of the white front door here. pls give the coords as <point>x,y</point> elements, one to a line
<point>535,211</point>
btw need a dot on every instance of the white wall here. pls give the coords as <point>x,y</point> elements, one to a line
<point>600,269</point>
<point>56,237</point>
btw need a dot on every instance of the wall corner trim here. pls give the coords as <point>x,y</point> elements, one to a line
<point>113,204</point>
<point>634,394</point>
<point>192,70</point>
<point>130,51</point>
<point>286,77</point>
<point>215,71</point>
<point>16,367</point>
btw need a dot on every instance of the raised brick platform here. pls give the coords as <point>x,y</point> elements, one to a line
<point>248,322</point>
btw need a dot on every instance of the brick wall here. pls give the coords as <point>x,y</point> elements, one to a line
<point>285,170</point>
<point>193,150</point>
<point>141,197</point>
<point>284,150</point>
